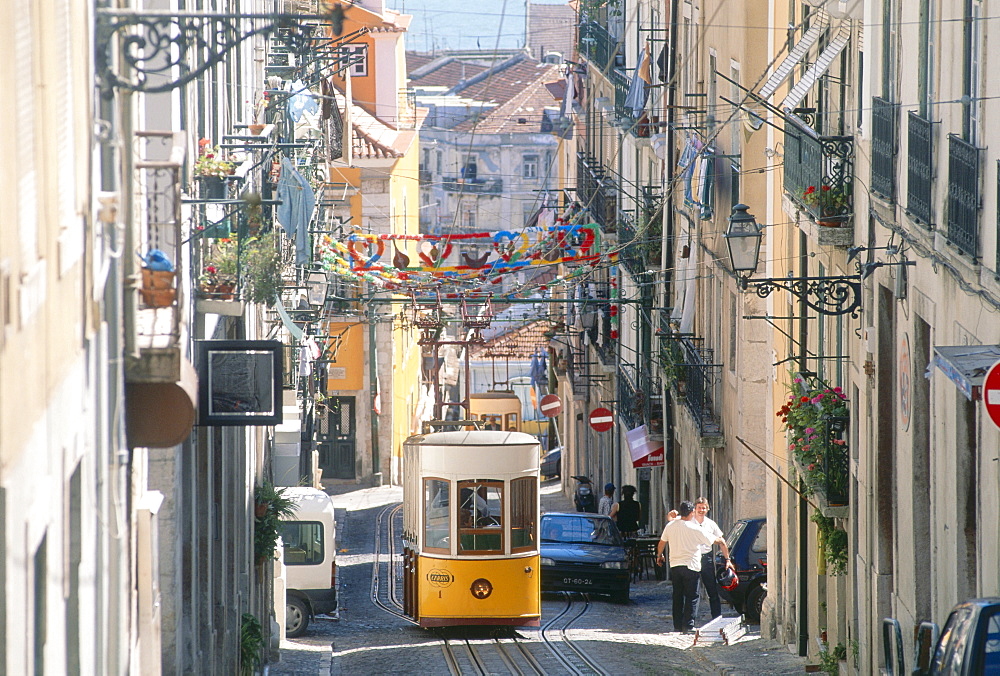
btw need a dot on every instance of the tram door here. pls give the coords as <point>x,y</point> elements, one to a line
<point>335,438</point>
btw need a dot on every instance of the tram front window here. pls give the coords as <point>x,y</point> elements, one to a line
<point>436,514</point>
<point>480,519</point>
<point>492,421</point>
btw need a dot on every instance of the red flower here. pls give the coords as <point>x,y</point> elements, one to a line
<point>803,399</point>
<point>810,190</point>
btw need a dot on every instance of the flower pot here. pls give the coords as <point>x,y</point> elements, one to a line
<point>260,509</point>
<point>256,128</point>
<point>158,297</point>
<point>157,279</point>
<point>828,224</point>
<point>213,187</point>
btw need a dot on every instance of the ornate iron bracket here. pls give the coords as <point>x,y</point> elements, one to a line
<point>158,51</point>
<point>825,295</point>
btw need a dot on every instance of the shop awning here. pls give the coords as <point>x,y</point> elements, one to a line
<point>840,40</point>
<point>966,366</point>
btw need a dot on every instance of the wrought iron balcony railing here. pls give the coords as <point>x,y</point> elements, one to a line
<point>597,192</point>
<point>687,365</point>
<point>599,46</point>
<point>819,170</point>
<point>480,186</point>
<point>640,398</point>
<point>885,141</point>
<point>919,168</point>
<point>963,195</point>
<point>632,254</point>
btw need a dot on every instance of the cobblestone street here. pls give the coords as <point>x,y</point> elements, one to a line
<point>629,639</point>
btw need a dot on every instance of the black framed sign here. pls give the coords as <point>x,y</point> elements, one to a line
<point>239,382</point>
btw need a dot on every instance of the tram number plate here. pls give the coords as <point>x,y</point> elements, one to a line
<point>577,580</point>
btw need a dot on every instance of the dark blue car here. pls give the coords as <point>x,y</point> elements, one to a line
<point>747,541</point>
<point>583,552</point>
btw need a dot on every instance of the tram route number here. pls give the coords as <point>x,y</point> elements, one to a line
<point>577,580</point>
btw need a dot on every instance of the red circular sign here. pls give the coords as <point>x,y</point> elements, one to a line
<point>550,405</point>
<point>602,419</point>
<point>991,393</point>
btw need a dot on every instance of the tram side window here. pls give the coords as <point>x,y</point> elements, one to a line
<point>480,521</point>
<point>436,515</point>
<point>523,518</point>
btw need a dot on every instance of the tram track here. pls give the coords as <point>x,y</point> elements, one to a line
<point>383,587</point>
<point>574,658</point>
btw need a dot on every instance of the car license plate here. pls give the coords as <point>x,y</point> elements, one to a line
<point>577,580</point>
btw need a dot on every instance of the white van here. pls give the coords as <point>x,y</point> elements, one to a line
<point>309,537</point>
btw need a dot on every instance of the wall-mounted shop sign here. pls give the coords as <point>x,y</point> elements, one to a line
<point>239,382</point>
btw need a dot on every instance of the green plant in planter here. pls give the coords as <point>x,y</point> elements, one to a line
<point>830,658</point>
<point>251,643</point>
<point>270,504</point>
<point>261,266</point>
<point>833,542</point>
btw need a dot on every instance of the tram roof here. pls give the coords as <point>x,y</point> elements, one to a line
<point>475,438</point>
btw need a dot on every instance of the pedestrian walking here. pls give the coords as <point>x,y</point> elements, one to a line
<point>685,539</point>
<point>627,513</point>
<point>708,574</point>
<point>607,500</point>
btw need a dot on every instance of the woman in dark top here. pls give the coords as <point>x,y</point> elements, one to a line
<point>627,513</point>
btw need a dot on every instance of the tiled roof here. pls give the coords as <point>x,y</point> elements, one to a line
<point>519,343</point>
<point>523,111</point>
<point>502,86</point>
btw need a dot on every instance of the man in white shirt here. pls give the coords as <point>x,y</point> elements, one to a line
<point>686,539</point>
<point>707,560</point>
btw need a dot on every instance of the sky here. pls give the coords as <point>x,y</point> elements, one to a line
<point>465,24</point>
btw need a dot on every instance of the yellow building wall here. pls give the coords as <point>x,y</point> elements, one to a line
<point>347,369</point>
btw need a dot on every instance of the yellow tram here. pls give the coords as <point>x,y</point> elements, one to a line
<point>497,409</point>
<point>470,529</point>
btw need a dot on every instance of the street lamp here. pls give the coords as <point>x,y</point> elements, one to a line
<point>825,295</point>
<point>316,287</point>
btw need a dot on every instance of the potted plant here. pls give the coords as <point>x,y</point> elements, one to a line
<point>219,273</point>
<point>270,505</point>
<point>827,203</point>
<point>158,275</point>
<point>211,169</point>
<point>251,643</point>
<point>261,267</point>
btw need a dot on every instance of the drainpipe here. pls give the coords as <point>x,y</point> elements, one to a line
<point>803,604</point>
<point>373,385</point>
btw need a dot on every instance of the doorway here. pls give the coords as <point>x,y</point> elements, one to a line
<point>335,432</point>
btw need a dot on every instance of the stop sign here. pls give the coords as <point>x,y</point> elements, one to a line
<point>550,405</point>
<point>991,393</point>
<point>602,419</point>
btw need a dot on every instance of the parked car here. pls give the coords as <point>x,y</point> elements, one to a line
<point>583,552</point>
<point>747,541</point>
<point>552,463</point>
<point>968,644</point>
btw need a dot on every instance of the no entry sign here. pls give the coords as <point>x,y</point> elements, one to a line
<point>602,419</point>
<point>550,405</point>
<point>991,393</point>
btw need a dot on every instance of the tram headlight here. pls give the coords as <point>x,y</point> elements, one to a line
<point>546,561</point>
<point>481,588</point>
<point>617,565</point>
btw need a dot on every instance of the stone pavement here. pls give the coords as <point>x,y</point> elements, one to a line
<point>635,638</point>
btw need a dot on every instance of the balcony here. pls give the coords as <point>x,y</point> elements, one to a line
<point>161,385</point>
<point>424,176</point>
<point>963,196</point>
<point>818,445</point>
<point>919,168</point>
<point>640,398</point>
<point>600,47</point>
<point>597,192</point>
<point>687,365</point>
<point>885,140</point>
<point>474,186</point>
<point>819,171</point>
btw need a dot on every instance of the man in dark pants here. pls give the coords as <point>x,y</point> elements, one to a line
<point>708,578</point>
<point>685,538</point>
